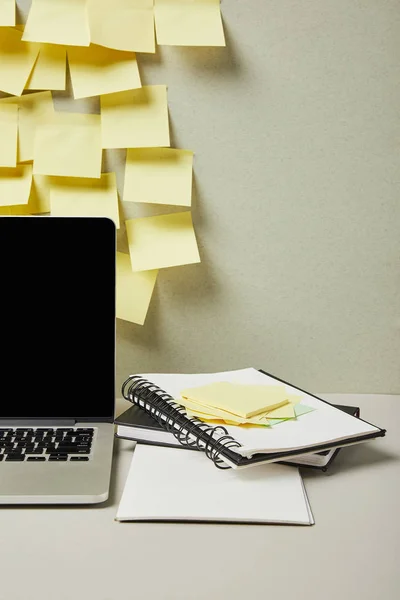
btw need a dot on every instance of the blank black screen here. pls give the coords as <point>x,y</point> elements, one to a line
<point>57,299</point>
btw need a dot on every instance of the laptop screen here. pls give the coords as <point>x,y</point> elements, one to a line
<point>57,302</point>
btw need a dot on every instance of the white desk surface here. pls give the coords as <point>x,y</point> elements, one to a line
<point>352,552</point>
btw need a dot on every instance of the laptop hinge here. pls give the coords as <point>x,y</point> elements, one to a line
<point>37,422</point>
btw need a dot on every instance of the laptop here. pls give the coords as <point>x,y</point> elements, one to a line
<point>57,373</point>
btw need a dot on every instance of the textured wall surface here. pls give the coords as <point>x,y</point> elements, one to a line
<point>296,132</point>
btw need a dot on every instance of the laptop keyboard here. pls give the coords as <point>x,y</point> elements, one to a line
<point>46,444</point>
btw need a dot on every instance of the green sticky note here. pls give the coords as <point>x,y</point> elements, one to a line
<point>302,409</point>
<point>277,421</point>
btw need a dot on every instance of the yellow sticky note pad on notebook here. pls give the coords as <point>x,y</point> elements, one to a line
<point>15,185</point>
<point>189,23</point>
<point>122,24</point>
<point>209,412</point>
<point>134,290</point>
<point>16,61</point>
<point>162,241</point>
<point>231,420</point>
<point>241,400</point>
<point>7,13</point>
<point>159,176</point>
<point>58,22</point>
<point>9,135</point>
<point>135,118</point>
<point>49,72</point>
<point>76,197</point>
<point>68,145</point>
<point>33,108</point>
<point>96,70</point>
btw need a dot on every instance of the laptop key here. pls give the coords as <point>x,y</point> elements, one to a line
<point>36,458</point>
<point>15,457</point>
<point>22,432</point>
<point>34,451</point>
<point>59,457</point>
<point>79,458</point>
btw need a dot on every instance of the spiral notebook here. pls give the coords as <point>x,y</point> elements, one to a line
<point>325,428</point>
<point>136,425</point>
<point>165,484</point>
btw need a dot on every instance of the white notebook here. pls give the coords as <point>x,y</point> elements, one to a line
<point>165,484</point>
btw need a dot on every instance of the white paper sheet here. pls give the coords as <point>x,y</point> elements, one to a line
<point>169,484</point>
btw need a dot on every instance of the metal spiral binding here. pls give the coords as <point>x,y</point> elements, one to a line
<point>171,416</point>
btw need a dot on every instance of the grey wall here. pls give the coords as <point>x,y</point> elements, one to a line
<point>296,132</point>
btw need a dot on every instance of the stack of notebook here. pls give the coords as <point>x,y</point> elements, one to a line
<point>167,484</point>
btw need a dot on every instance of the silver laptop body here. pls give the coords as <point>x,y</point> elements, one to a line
<point>57,372</point>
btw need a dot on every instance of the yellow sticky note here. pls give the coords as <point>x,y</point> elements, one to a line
<point>32,109</point>
<point>69,145</point>
<point>7,13</point>
<point>162,241</point>
<point>284,412</point>
<point>39,199</point>
<point>159,176</point>
<point>96,70</point>
<point>135,118</point>
<point>75,197</point>
<point>9,135</point>
<point>49,72</point>
<point>16,61</point>
<point>222,416</point>
<point>189,23</point>
<point>242,400</point>
<point>6,211</point>
<point>38,202</point>
<point>233,420</point>
<point>122,24</point>
<point>209,412</point>
<point>15,185</point>
<point>294,398</point>
<point>58,22</point>
<point>134,290</point>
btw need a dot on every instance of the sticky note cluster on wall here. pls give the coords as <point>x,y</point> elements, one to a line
<point>51,162</point>
<point>126,25</point>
